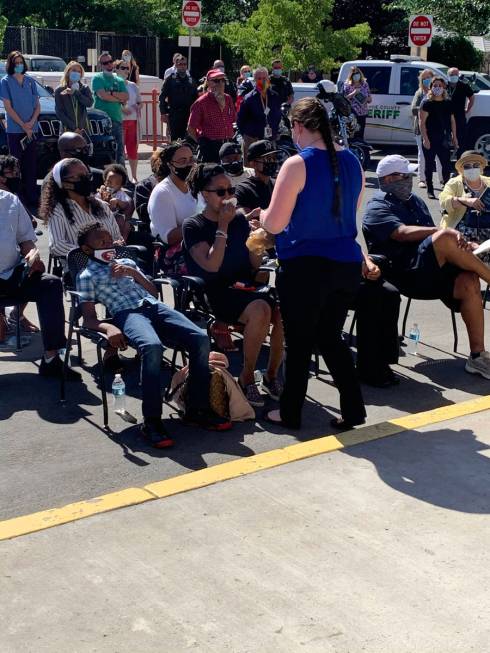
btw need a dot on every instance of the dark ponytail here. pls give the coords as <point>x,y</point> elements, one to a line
<point>201,175</point>
<point>311,113</point>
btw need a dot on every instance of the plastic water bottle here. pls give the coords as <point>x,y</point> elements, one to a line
<point>119,394</point>
<point>258,376</point>
<point>413,340</point>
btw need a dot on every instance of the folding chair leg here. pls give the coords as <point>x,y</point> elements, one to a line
<point>79,348</point>
<point>455,331</point>
<point>103,390</point>
<point>405,316</point>
<point>17,328</point>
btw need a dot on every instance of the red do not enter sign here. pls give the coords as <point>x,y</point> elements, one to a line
<point>420,31</point>
<point>191,13</point>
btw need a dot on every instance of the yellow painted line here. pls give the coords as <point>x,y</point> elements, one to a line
<point>233,469</point>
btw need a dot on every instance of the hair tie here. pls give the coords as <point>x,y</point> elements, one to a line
<point>56,172</point>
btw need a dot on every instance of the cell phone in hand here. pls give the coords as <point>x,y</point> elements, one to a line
<point>24,142</point>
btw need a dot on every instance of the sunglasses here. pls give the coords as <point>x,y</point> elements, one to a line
<point>123,68</point>
<point>470,166</point>
<point>221,192</point>
<point>106,63</point>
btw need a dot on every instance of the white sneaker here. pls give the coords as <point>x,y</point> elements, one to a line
<point>422,184</point>
<point>479,365</point>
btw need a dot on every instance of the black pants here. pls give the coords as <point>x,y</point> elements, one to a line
<point>177,123</point>
<point>377,309</point>
<point>461,133</point>
<point>315,294</point>
<point>47,291</point>
<point>444,154</point>
<point>209,150</point>
<point>361,121</point>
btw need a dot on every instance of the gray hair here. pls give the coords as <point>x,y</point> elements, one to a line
<point>261,69</point>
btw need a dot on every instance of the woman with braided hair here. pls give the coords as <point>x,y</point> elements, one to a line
<point>67,205</point>
<point>313,212</point>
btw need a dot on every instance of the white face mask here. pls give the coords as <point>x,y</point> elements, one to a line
<point>127,58</point>
<point>105,255</point>
<point>437,91</point>
<point>472,174</point>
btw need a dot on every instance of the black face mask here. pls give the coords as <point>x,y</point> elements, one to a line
<point>182,173</point>
<point>13,184</point>
<point>83,186</point>
<point>234,168</point>
<point>269,168</point>
<point>82,154</point>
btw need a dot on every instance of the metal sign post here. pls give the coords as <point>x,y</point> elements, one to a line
<point>191,18</point>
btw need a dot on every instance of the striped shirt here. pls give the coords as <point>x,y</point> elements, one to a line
<point>63,235</point>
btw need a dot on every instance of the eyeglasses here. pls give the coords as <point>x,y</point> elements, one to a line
<point>184,162</point>
<point>221,192</point>
<point>470,166</point>
<point>106,63</point>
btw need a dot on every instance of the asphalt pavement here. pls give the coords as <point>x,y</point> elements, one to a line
<point>54,454</point>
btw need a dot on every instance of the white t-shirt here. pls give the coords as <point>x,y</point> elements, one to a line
<point>168,207</point>
<point>15,228</point>
<point>133,101</point>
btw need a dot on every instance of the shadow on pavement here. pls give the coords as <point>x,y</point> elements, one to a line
<point>443,467</point>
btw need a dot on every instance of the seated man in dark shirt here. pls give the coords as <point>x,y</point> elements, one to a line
<point>426,262</point>
<point>256,192</point>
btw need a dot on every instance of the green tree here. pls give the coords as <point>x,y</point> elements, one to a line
<point>464,17</point>
<point>3,25</point>
<point>455,51</point>
<point>297,31</point>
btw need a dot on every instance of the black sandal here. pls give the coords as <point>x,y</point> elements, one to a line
<point>278,422</point>
<point>340,425</point>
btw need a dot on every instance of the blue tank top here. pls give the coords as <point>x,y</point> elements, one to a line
<point>313,229</point>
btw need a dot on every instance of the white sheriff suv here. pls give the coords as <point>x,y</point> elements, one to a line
<point>393,84</point>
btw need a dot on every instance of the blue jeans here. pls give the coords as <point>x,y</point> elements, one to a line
<point>117,132</point>
<point>146,328</point>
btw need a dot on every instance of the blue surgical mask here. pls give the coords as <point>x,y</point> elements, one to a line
<point>426,82</point>
<point>453,79</point>
<point>356,77</point>
<point>277,72</point>
<point>75,76</point>
<point>19,68</point>
<point>248,75</point>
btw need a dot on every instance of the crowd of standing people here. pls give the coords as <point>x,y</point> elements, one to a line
<point>207,217</point>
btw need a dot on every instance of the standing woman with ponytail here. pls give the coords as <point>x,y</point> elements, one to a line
<point>313,212</point>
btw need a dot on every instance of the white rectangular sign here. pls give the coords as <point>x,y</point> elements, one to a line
<point>195,41</point>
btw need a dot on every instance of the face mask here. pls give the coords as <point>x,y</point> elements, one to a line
<point>19,68</point>
<point>247,75</point>
<point>437,91</point>
<point>83,186</point>
<point>356,77</point>
<point>277,72</point>
<point>269,168</point>
<point>182,73</point>
<point>220,68</point>
<point>75,76</point>
<point>13,184</point>
<point>234,168</point>
<point>426,82</point>
<point>104,255</point>
<point>107,73</point>
<point>127,58</point>
<point>472,174</point>
<point>402,188</point>
<point>182,173</point>
<point>453,79</point>
<point>262,85</point>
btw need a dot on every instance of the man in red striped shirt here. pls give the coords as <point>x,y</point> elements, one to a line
<point>212,117</point>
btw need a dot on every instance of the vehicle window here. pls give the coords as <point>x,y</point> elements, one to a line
<point>378,78</point>
<point>409,80</point>
<point>47,65</point>
<point>42,91</point>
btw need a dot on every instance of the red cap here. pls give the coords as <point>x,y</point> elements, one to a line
<point>214,73</point>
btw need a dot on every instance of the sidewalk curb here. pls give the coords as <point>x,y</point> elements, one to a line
<point>39,521</point>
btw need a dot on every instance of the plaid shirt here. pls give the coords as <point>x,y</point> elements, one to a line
<point>208,119</point>
<point>96,284</point>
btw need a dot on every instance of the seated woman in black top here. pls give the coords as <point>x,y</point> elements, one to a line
<point>216,251</point>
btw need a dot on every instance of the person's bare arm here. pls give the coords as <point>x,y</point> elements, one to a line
<point>423,128</point>
<point>119,270</point>
<point>210,258</point>
<point>90,320</point>
<point>107,96</point>
<point>290,182</point>
<point>192,133</point>
<point>453,131</point>
<point>174,236</point>
<point>471,102</point>
<point>408,234</point>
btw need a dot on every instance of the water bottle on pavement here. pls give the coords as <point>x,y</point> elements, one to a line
<point>413,340</point>
<point>119,394</point>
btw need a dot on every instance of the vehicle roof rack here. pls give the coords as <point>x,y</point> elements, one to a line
<point>400,58</point>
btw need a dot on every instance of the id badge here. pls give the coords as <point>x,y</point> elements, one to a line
<point>267,132</point>
<point>267,110</point>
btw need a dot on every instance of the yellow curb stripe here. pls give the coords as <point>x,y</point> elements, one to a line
<point>38,521</point>
<point>240,467</point>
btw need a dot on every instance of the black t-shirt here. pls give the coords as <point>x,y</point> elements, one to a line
<point>252,193</point>
<point>459,95</point>
<point>236,263</point>
<point>438,122</point>
<point>307,80</point>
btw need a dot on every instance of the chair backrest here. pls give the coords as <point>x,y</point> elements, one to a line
<point>77,259</point>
